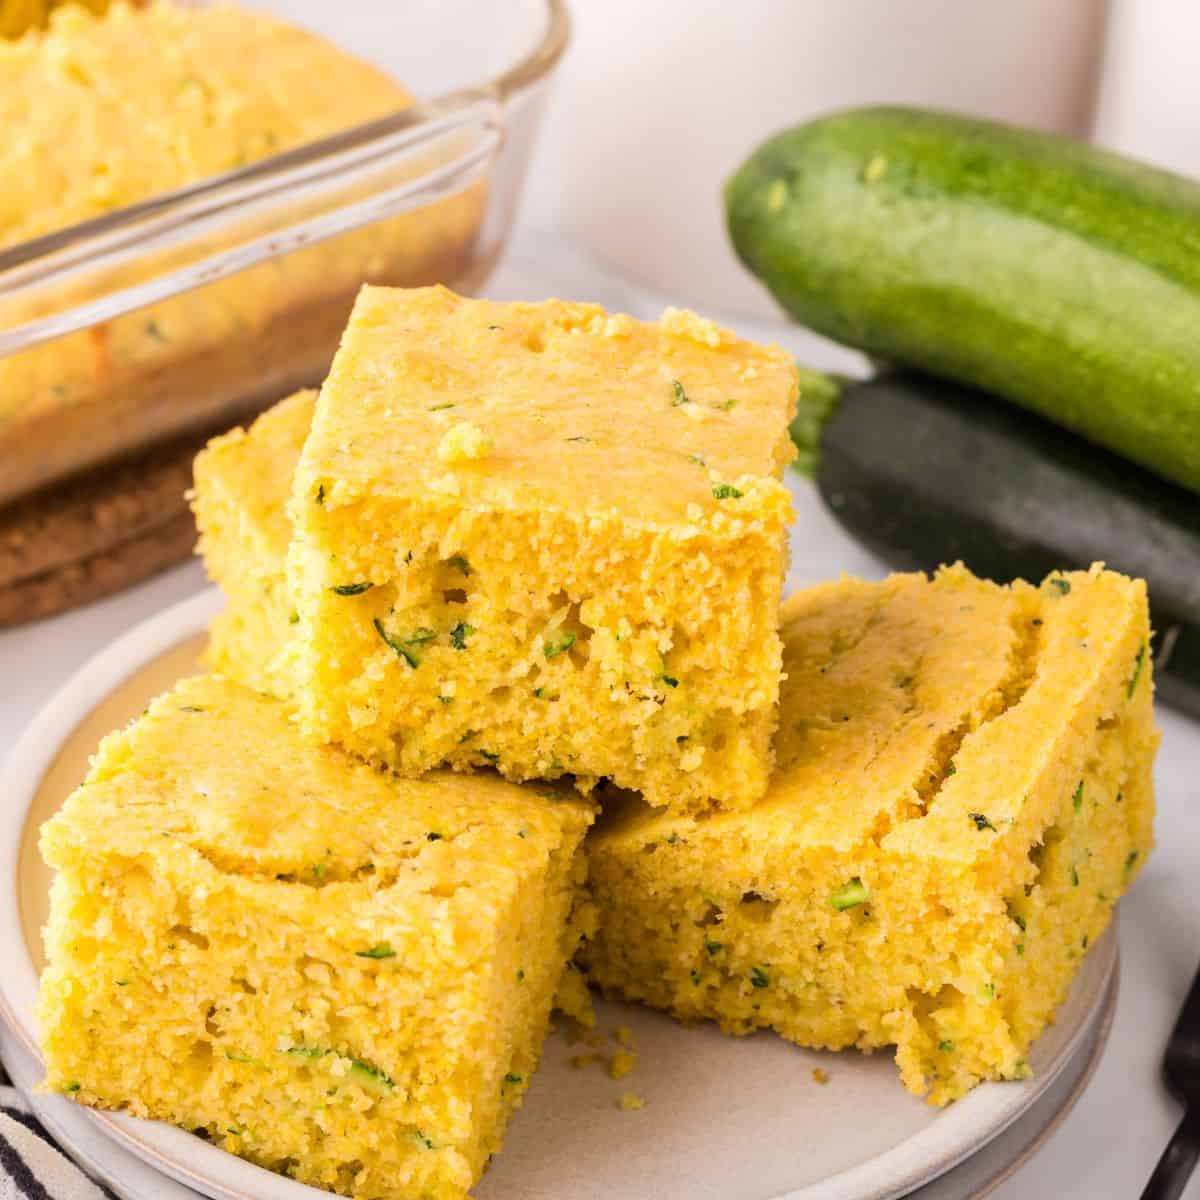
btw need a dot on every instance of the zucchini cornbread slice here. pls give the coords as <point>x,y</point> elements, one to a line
<point>546,538</point>
<point>330,971</point>
<point>962,792</point>
<point>242,482</point>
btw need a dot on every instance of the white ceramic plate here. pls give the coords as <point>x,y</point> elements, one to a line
<point>727,1118</point>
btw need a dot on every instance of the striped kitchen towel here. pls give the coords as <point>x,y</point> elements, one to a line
<point>31,1167</point>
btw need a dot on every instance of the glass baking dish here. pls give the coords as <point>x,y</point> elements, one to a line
<point>195,308</point>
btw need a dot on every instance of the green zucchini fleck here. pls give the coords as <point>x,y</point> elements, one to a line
<point>1077,798</point>
<point>726,491</point>
<point>1138,663</point>
<point>351,589</point>
<point>379,950</point>
<point>759,978</point>
<point>559,645</point>
<point>370,1077</point>
<point>850,895</point>
<point>459,635</point>
<point>404,647</point>
<point>680,396</point>
<point>981,821</point>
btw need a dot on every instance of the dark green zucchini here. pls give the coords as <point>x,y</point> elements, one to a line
<point>925,472</point>
<point>1041,269</point>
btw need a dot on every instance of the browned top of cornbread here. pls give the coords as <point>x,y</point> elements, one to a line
<point>551,405</point>
<point>216,772</point>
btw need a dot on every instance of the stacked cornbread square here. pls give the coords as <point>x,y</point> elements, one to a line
<point>326,969</point>
<point>962,792</point>
<point>243,480</point>
<point>546,539</point>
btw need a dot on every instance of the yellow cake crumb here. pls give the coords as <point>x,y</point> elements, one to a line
<point>621,1064</point>
<point>963,790</point>
<point>623,1036</point>
<point>464,442</point>
<point>820,1076</point>
<point>631,1102</point>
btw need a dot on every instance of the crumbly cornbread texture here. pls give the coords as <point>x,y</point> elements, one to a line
<point>547,538</point>
<point>328,970</point>
<point>963,790</point>
<point>242,482</point>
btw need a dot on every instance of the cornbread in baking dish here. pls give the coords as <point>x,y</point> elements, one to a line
<point>325,969</point>
<point>100,112</point>
<point>962,792</point>
<point>242,482</point>
<point>546,538</point>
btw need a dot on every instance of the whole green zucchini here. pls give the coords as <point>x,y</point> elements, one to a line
<point>1049,272</point>
<point>925,472</point>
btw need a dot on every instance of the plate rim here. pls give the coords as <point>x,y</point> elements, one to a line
<point>959,1131</point>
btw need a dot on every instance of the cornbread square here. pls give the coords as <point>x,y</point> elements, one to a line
<point>325,969</point>
<point>549,539</point>
<point>962,792</point>
<point>242,482</point>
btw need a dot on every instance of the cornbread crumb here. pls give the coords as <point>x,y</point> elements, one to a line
<point>820,1076</point>
<point>623,1036</point>
<point>573,998</point>
<point>326,969</point>
<point>579,1061</point>
<point>685,323</point>
<point>963,790</point>
<point>621,1064</point>
<point>631,1102</point>
<point>619,618</point>
<point>464,442</point>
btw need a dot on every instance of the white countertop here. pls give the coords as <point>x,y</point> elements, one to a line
<point>1107,1147</point>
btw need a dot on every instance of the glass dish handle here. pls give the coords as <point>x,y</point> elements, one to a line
<point>98,270</point>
